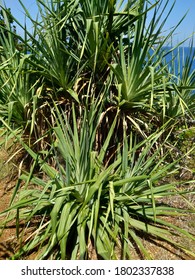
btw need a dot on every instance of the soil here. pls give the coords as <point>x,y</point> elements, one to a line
<point>8,239</point>
<point>7,234</point>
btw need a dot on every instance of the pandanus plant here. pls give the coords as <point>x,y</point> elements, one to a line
<point>100,86</point>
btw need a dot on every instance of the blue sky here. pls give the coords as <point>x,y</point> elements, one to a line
<point>181,7</point>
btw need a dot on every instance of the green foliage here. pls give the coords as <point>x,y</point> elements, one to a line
<point>82,203</point>
<point>6,21</point>
<point>92,101</point>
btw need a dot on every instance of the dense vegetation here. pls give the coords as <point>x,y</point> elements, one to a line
<point>95,112</point>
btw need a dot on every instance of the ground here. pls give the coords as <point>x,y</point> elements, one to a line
<point>8,240</point>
